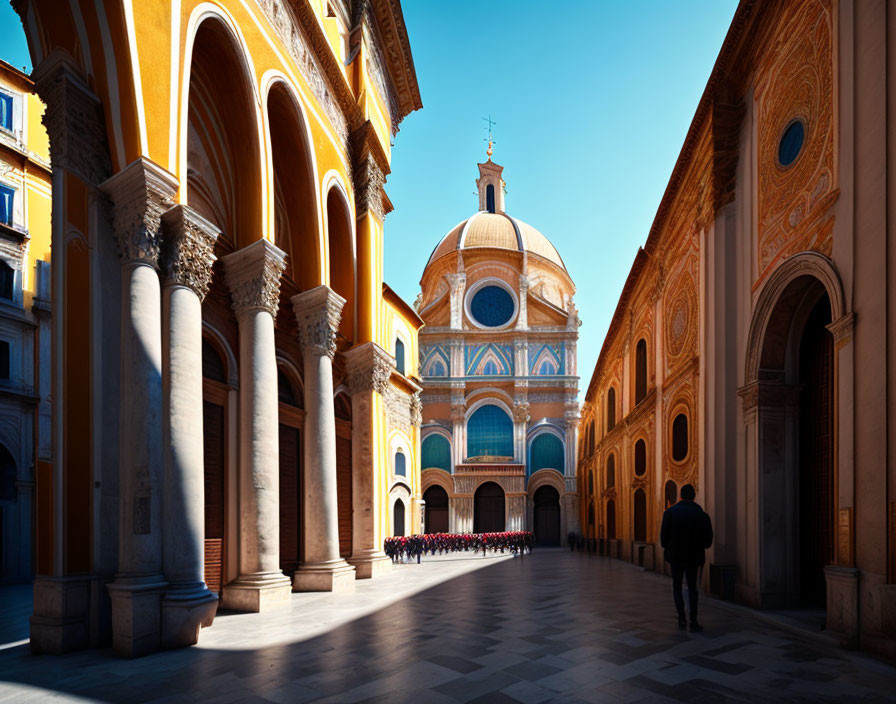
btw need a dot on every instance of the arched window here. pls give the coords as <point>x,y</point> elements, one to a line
<point>611,409</point>
<point>680,437</point>
<point>398,518</point>
<point>591,514</point>
<point>400,464</point>
<point>437,369</point>
<point>671,493</point>
<point>436,452</point>
<point>611,519</point>
<point>611,471</point>
<point>640,371</point>
<point>546,453</point>
<point>490,198</point>
<point>489,433</point>
<point>590,482</point>
<point>7,278</point>
<point>640,457</point>
<point>399,356</point>
<point>212,365</point>
<point>640,516</point>
<point>285,391</point>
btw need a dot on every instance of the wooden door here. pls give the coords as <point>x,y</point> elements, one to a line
<point>436,499</point>
<point>547,516</point>
<point>215,462</point>
<point>488,509</point>
<point>290,501</point>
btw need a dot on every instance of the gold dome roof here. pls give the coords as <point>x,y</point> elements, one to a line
<point>497,230</point>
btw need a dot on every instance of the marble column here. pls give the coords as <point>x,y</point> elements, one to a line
<point>318,312</point>
<point>369,369</point>
<point>140,194</point>
<point>187,255</point>
<point>253,276</point>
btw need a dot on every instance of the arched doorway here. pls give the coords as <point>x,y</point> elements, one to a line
<point>792,371</point>
<point>214,446</point>
<point>488,509</point>
<point>8,513</point>
<point>547,516</point>
<point>436,499</point>
<point>291,400</point>
<point>398,517</point>
<point>343,411</point>
<point>640,515</point>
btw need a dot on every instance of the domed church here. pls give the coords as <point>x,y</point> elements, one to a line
<point>498,360</point>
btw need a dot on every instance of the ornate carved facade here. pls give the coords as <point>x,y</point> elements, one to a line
<point>498,358</point>
<point>748,347</point>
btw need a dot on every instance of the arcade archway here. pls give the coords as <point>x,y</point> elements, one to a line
<point>436,518</point>
<point>546,522</point>
<point>488,509</point>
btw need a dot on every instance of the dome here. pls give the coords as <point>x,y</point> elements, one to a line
<point>499,230</point>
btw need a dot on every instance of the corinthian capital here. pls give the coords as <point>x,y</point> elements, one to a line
<point>188,243</point>
<point>253,276</point>
<point>318,313</point>
<point>73,118</point>
<point>140,193</point>
<point>369,368</point>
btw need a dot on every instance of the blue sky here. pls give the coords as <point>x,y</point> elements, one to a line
<point>592,105</point>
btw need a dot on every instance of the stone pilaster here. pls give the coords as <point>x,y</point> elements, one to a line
<point>140,194</point>
<point>318,313</point>
<point>253,276</point>
<point>187,256</point>
<point>62,618</point>
<point>369,368</point>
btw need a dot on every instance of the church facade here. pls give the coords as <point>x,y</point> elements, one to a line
<point>752,351</point>
<point>235,412</point>
<point>498,360</point>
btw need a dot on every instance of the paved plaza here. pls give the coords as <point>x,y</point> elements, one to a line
<point>555,626</point>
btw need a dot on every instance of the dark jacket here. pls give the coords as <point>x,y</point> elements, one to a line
<point>686,533</point>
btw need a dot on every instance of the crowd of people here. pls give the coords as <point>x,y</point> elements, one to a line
<point>408,547</point>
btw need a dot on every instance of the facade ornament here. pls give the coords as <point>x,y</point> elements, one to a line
<point>253,276</point>
<point>318,313</point>
<point>521,411</point>
<point>369,181</point>
<point>140,193</point>
<point>843,328</point>
<point>74,118</point>
<point>458,412</point>
<point>416,410</point>
<point>369,368</point>
<point>188,243</point>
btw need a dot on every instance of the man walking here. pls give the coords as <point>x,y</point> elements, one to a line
<point>685,534</point>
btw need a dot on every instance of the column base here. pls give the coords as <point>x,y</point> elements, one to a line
<point>372,564</point>
<point>257,592</point>
<point>842,612</point>
<point>60,620</point>
<point>137,614</point>
<point>184,611</point>
<point>330,576</point>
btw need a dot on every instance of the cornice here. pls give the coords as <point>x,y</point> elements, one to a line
<point>397,51</point>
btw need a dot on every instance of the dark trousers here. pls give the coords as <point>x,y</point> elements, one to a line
<point>680,570</point>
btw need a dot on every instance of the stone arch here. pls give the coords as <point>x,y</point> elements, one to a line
<point>220,130</point>
<point>805,264</point>
<point>341,260</point>
<point>791,399</point>
<point>296,221</point>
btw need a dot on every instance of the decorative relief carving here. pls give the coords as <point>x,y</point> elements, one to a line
<point>680,315</point>
<point>521,411</point>
<point>296,42</point>
<point>318,313</point>
<point>253,276</point>
<point>140,194</point>
<point>403,410</point>
<point>796,82</point>
<point>369,181</point>
<point>73,118</point>
<point>188,243</point>
<point>416,409</point>
<point>376,69</point>
<point>369,368</point>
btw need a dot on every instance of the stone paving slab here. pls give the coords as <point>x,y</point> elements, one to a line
<point>552,627</point>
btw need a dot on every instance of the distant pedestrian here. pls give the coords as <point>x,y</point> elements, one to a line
<point>685,534</point>
<point>571,541</point>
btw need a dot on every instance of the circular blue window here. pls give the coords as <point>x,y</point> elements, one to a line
<point>492,306</point>
<point>791,143</point>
